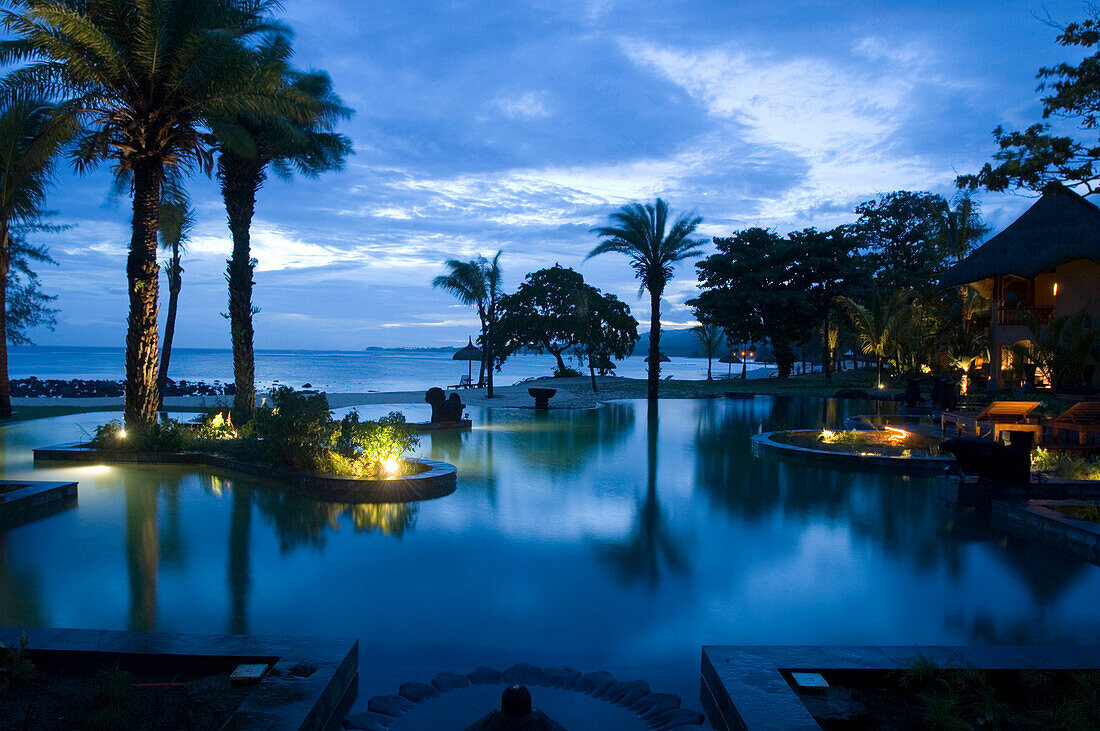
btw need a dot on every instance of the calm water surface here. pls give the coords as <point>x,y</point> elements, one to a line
<point>599,539</point>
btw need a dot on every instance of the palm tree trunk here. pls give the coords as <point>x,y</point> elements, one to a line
<point>174,282</point>
<point>5,265</point>
<point>592,370</point>
<point>826,351</point>
<point>709,358</point>
<point>653,383</point>
<point>240,180</point>
<point>489,357</point>
<point>142,278</point>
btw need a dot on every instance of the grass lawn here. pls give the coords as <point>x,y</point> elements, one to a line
<point>26,413</point>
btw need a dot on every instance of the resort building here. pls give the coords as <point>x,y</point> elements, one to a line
<point>1043,265</point>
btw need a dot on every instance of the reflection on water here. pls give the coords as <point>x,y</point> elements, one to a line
<point>651,542</point>
<point>615,538</point>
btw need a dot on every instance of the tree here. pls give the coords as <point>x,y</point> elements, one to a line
<point>610,331</point>
<point>555,311</point>
<point>876,324</point>
<point>639,232</point>
<point>31,134</point>
<point>901,232</point>
<point>960,227</point>
<point>27,305</point>
<point>711,338</point>
<point>1036,157</point>
<point>147,82</point>
<point>763,286</point>
<point>177,219</point>
<point>300,141</point>
<point>477,283</point>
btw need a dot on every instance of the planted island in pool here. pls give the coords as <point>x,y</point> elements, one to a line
<point>295,441</point>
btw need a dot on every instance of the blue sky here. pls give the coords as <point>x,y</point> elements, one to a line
<point>520,125</point>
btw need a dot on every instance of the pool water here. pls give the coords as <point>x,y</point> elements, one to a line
<point>613,539</point>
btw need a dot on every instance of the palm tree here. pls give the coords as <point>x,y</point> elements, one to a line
<point>31,133</point>
<point>146,80</point>
<point>477,283</point>
<point>711,337</point>
<point>961,226</point>
<point>639,232</point>
<point>177,219</point>
<point>876,325</point>
<point>303,141</point>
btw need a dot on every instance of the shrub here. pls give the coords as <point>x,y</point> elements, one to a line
<point>167,435</point>
<point>14,663</point>
<point>1065,465</point>
<point>371,448</point>
<point>295,431</point>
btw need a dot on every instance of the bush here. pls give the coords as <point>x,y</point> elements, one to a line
<point>1065,465</point>
<point>371,448</point>
<point>567,373</point>
<point>14,663</point>
<point>296,431</point>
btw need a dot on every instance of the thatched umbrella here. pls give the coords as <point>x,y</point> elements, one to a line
<point>729,358</point>
<point>468,353</point>
<point>663,359</point>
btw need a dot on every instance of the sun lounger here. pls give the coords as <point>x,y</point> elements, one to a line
<point>997,417</point>
<point>1083,417</point>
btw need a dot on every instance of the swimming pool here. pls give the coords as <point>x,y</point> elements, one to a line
<point>606,540</point>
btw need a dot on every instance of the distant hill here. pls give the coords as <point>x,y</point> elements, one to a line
<point>674,344</point>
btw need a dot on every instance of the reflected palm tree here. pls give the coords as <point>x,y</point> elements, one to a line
<point>651,543</point>
<point>142,554</point>
<point>171,541</point>
<point>239,569</point>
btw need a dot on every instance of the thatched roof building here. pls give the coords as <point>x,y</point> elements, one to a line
<point>1059,227</point>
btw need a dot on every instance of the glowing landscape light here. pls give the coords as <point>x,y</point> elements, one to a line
<point>391,466</point>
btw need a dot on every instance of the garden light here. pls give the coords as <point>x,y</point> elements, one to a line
<point>391,466</point>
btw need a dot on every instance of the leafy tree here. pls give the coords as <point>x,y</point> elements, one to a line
<point>177,219</point>
<point>902,235</point>
<point>542,315</point>
<point>1037,157</point>
<point>302,140</point>
<point>711,338</point>
<point>27,305</point>
<point>147,82</point>
<point>641,232</point>
<point>609,330</point>
<point>554,311</point>
<point>31,134</point>
<point>477,283</point>
<point>763,286</point>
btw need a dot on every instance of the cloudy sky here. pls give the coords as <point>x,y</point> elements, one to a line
<point>500,124</point>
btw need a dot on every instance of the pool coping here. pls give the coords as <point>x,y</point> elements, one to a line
<point>764,443</point>
<point>438,480</point>
<point>743,687</point>
<point>1036,520</point>
<point>281,700</point>
<point>33,499</point>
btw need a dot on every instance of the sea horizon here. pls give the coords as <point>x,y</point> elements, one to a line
<point>374,369</point>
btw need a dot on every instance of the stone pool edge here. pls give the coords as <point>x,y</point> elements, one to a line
<point>764,444</point>
<point>743,687</point>
<point>281,700</point>
<point>438,480</point>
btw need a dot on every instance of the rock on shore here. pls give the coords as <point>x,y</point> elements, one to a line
<point>93,388</point>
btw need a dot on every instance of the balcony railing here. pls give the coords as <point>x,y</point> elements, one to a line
<point>1023,315</point>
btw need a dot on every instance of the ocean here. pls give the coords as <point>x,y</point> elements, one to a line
<point>332,370</point>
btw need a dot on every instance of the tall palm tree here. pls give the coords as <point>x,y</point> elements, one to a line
<point>31,133</point>
<point>477,283</point>
<point>876,325</point>
<point>177,219</point>
<point>641,233</point>
<point>147,81</point>
<point>301,141</point>
<point>711,337</point>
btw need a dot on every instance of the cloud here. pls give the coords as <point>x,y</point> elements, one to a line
<point>529,105</point>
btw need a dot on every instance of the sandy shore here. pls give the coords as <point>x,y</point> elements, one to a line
<point>573,393</point>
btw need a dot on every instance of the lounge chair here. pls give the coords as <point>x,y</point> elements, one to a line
<point>997,417</point>
<point>463,382</point>
<point>1083,417</point>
